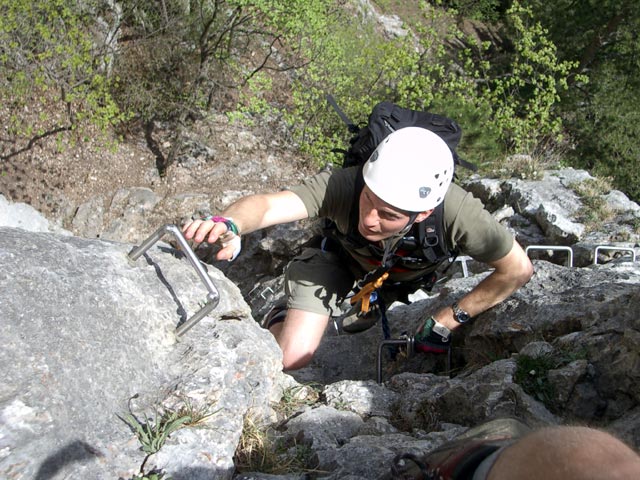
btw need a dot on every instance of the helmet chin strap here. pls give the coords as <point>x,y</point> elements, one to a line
<point>412,218</point>
<point>390,243</point>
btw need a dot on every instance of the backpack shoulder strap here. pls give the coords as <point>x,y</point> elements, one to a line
<point>431,236</point>
<point>353,128</point>
<point>354,214</point>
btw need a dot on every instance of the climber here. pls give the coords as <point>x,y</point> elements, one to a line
<point>378,213</point>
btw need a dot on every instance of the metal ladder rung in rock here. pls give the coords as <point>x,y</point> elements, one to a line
<point>611,247</point>
<point>553,247</point>
<point>213,297</point>
<point>463,262</point>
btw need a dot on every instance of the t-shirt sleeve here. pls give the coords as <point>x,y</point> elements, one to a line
<point>472,230</point>
<point>328,194</point>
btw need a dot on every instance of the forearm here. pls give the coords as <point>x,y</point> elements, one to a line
<point>248,214</point>
<point>511,273</point>
<point>255,212</point>
<point>489,292</point>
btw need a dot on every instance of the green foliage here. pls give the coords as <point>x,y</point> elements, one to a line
<point>174,59</point>
<point>524,97</point>
<point>360,68</point>
<point>481,138</point>
<point>531,375</point>
<point>485,10</point>
<point>605,130</point>
<point>53,69</point>
<point>153,432</point>
<point>602,116</point>
<point>503,107</point>
<point>184,57</point>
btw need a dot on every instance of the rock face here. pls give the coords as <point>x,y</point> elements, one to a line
<point>90,345</point>
<point>21,215</point>
<point>89,335</point>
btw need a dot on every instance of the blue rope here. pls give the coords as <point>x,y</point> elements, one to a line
<point>386,330</point>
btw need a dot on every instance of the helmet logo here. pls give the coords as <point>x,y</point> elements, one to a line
<point>424,192</point>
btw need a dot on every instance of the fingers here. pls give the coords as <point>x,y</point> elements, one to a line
<point>214,232</point>
<point>204,230</point>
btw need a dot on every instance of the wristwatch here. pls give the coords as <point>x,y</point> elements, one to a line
<point>460,315</point>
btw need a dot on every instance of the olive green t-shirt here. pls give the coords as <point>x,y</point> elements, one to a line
<point>469,228</point>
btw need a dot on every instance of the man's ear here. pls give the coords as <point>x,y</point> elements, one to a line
<point>422,215</point>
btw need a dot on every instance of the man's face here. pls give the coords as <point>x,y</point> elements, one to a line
<point>379,220</point>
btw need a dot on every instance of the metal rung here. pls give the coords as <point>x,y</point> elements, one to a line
<point>212,297</point>
<point>608,247</point>
<point>463,260</point>
<point>552,247</point>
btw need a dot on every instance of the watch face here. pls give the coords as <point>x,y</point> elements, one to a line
<point>460,315</point>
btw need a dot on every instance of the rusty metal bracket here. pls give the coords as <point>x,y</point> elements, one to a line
<point>409,343</point>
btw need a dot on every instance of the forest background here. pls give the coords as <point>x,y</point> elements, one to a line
<point>534,84</point>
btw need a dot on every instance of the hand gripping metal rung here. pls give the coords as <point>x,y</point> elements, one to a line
<point>212,297</point>
<point>409,343</point>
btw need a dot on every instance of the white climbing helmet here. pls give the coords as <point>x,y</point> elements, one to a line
<point>411,169</point>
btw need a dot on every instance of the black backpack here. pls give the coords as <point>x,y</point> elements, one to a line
<point>386,117</point>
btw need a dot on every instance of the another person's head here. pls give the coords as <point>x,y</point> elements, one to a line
<point>405,178</point>
<point>567,453</point>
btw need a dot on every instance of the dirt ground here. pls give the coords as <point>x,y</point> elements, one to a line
<point>215,157</point>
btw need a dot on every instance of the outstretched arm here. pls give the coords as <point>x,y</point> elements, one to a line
<point>250,213</point>
<point>511,272</point>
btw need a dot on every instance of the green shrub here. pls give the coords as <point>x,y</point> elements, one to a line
<point>502,107</point>
<point>531,375</point>
<point>524,97</point>
<point>605,130</point>
<point>360,67</point>
<point>54,73</point>
<point>182,58</point>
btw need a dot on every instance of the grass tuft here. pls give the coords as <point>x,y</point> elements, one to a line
<point>594,211</point>
<point>152,431</point>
